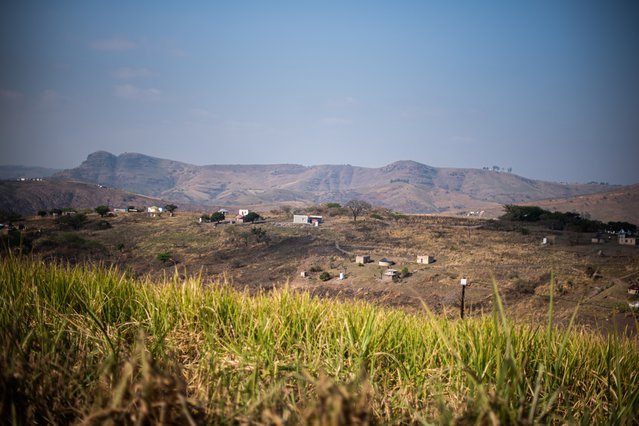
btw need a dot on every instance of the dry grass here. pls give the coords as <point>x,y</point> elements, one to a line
<point>90,345</point>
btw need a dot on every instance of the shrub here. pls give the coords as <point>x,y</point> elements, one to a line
<point>165,256</point>
<point>325,276</point>
<point>315,268</point>
<point>75,221</point>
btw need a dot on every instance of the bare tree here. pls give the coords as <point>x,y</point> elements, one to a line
<point>357,207</point>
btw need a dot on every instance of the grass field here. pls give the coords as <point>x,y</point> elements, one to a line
<point>89,344</point>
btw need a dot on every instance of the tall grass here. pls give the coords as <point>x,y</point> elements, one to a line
<point>88,344</point>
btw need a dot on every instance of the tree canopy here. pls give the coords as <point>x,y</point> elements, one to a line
<point>102,210</point>
<point>358,207</point>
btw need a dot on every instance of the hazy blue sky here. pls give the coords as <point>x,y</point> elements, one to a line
<point>549,88</point>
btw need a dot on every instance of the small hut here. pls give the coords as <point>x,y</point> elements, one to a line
<point>390,275</point>
<point>425,259</point>
<point>363,259</point>
<point>385,262</point>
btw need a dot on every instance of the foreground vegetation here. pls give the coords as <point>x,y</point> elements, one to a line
<point>88,344</point>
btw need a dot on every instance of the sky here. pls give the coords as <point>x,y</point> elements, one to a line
<point>547,87</point>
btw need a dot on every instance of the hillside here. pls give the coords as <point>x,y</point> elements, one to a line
<point>30,196</point>
<point>404,185</point>
<point>619,204</point>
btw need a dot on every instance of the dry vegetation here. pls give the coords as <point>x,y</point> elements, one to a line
<point>91,346</point>
<point>595,277</point>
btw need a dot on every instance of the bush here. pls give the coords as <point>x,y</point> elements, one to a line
<point>102,210</point>
<point>165,256</point>
<point>75,220</point>
<point>316,268</point>
<point>325,276</point>
<point>525,287</point>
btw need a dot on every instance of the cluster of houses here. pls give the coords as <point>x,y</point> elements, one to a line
<point>391,274</point>
<point>623,237</point>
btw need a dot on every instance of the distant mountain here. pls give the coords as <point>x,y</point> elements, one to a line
<point>17,172</point>
<point>404,185</point>
<point>30,196</point>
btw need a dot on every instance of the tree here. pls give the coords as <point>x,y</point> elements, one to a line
<point>251,217</point>
<point>102,210</point>
<point>205,218</point>
<point>42,213</point>
<point>358,207</point>
<point>170,208</point>
<point>217,217</point>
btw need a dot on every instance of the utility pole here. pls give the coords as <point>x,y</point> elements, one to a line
<point>464,283</point>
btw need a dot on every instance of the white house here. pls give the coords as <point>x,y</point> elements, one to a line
<point>154,211</point>
<point>425,259</point>
<point>243,212</point>
<point>307,219</point>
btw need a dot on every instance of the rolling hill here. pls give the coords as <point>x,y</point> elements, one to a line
<point>30,196</point>
<point>404,185</point>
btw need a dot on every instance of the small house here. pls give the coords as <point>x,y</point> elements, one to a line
<point>597,240</point>
<point>385,262</point>
<point>627,240</point>
<point>307,219</point>
<point>363,259</point>
<point>223,211</point>
<point>633,289</point>
<point>243,212</point>
<point>119,210</point>
<point>425,259</point>
<point>390,275</point>
<point>154,211</point>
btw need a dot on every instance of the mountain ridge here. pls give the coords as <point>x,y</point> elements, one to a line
<point>404,185</point>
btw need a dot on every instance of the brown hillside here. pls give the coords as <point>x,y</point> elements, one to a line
<point>30,196</point>
<point>404,185</point>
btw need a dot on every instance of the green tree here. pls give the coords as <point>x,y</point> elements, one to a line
<point>171,208</point>
<point>217,217</point>
<point>252,217</point>
<point>42,213</point>
<point>205,218</point>
<point>102,210</point>
<point>358,207</point>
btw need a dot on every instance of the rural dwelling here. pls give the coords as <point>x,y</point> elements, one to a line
<point>243,212</point>
<point>385,262</point>
<point>116,210</point>
<point>597,240</point>
<point>154,211</point>
<point>223,211</point>
<point>307,219</point>
<point>390,275</point>
<point>548,239</point>
<point>627,240</point>
<point>425,259</point>
<point>363,259</point>
<point>633,289</point>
